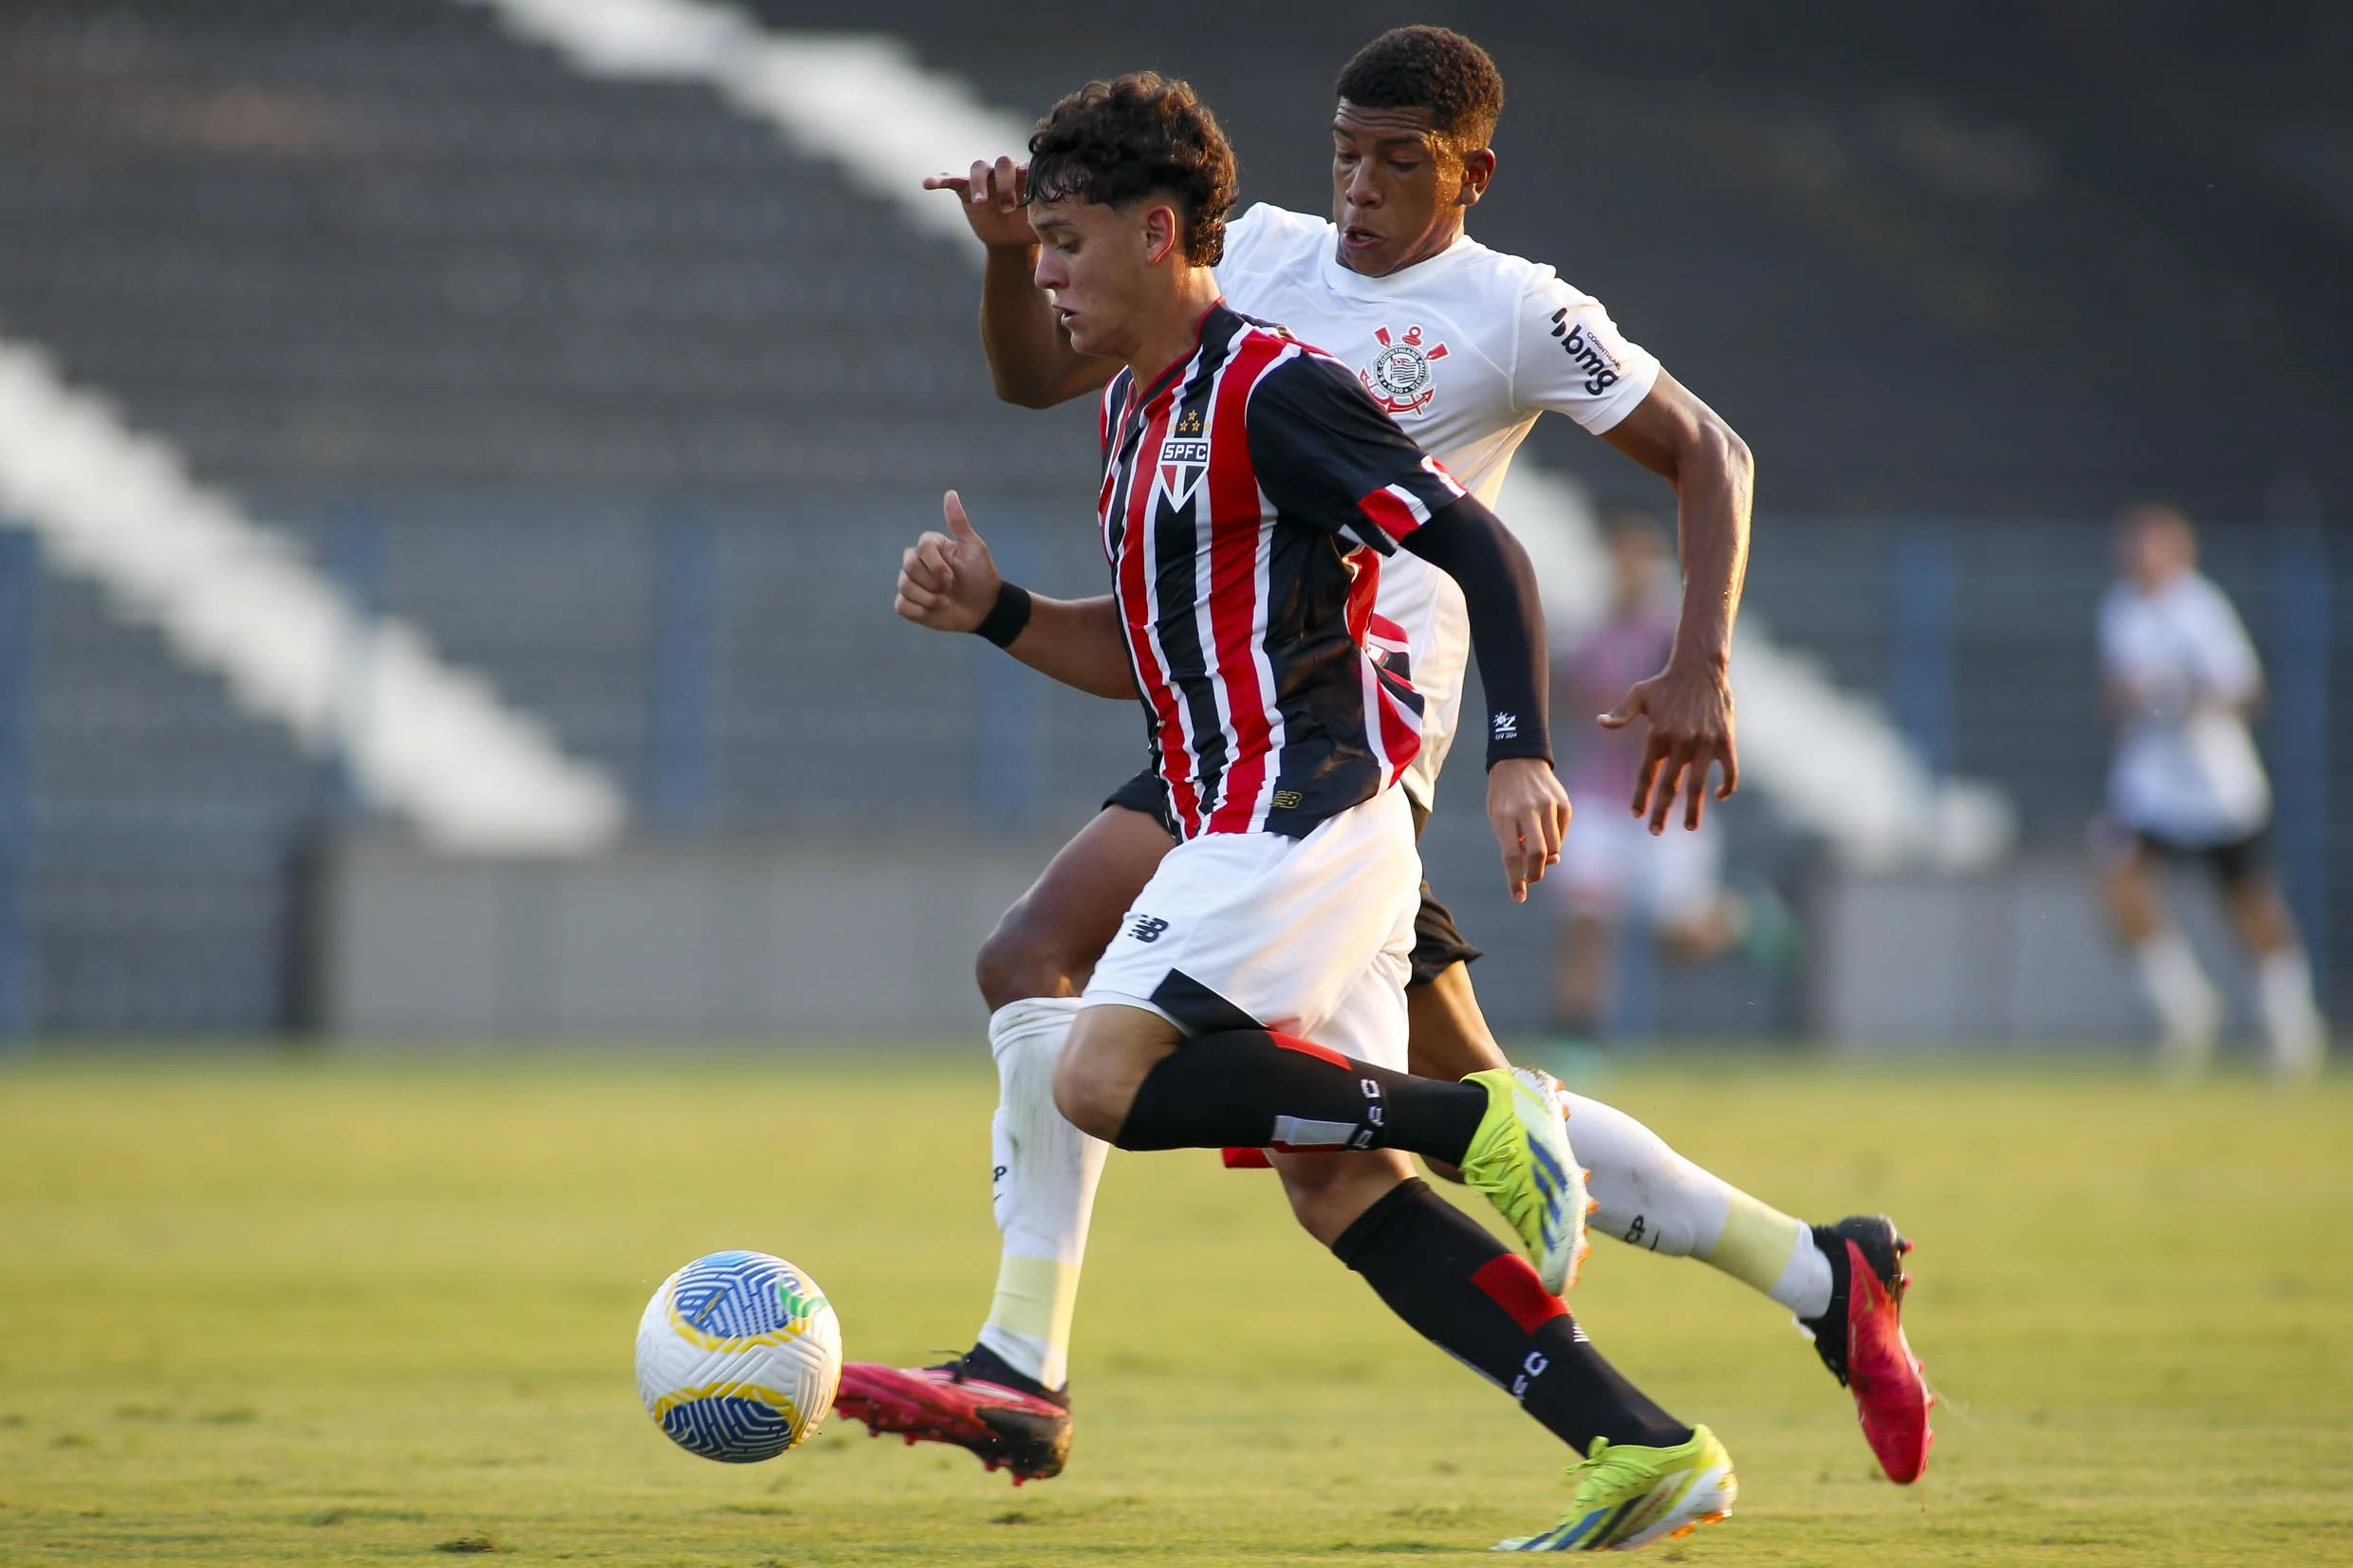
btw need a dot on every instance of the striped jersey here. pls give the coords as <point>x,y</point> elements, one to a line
<point>1249,492</point>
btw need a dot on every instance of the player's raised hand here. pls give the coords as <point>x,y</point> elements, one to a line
<point>948,581</point>
<point>1529,812</point>
<point>1690,709</point>
<point>995,198</point>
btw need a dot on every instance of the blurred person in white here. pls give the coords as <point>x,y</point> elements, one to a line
<point>2187,785</point>
<point>1615,874</point>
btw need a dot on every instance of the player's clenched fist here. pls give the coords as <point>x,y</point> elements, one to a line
<point>948,581</point>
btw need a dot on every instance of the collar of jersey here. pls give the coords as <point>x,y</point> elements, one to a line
<point>1158,386</point>
<point>1346,282</point>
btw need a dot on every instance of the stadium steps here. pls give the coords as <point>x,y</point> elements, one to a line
<point>379,261</point>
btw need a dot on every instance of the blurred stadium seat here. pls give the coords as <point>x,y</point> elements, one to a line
<point>384,273</point>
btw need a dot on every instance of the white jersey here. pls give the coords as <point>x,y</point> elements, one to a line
<point>2186,769</point>
<point>1464,350</point>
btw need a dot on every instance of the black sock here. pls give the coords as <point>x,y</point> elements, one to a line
<point>989,1367</point>
<point>1458,1286</point>
<point>1251,1088</point>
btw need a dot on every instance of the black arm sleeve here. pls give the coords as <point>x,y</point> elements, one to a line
<point>1469,543</point>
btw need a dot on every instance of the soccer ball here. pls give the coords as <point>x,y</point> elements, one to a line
<point>738,1355</point>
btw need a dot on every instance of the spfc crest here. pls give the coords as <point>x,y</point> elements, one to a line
<point>1399,377</point>
<point>1184,457</point>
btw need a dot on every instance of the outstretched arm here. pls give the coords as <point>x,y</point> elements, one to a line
<point>949,582</point>
<point>1030,359</point>
<point>1689,703</point>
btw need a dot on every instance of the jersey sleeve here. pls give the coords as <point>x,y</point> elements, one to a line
<point>2229,669</point>
<point>1328,458</point>
<point>1573,360</point>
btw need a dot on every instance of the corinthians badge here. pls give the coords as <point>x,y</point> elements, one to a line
<point>1399,377</point>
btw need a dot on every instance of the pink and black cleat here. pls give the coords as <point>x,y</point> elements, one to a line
<point>1008,1428</point>
<point>1860,1339</point>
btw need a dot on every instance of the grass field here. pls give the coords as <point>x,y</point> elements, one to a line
<point>321,1313</point>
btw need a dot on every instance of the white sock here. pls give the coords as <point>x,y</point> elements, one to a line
<point>2291,1019</point>
<point>2177,988</point>
<point>1654,1198</point>
<point>1045,1191</point>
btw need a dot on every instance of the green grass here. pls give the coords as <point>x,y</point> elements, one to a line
<point>324,1313</point>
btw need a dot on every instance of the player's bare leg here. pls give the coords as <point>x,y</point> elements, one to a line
<point>1450,1034</point>
<point>1007,1399</point>
<point>1047,944</point>
<point>1843,1283</point>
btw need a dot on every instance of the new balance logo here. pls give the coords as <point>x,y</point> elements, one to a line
<point>1147,928</point>
<point>1507,727</point>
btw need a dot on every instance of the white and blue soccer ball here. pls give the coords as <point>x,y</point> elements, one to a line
<point>738,1355</point>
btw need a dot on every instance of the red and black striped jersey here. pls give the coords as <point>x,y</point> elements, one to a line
<point>1248,494</point>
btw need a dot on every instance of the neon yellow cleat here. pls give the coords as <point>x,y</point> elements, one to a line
<point>1521,1159</point>
<point>1628,1497</point>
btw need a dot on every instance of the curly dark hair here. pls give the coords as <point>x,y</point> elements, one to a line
<point>1136,136</point>
<point>1433,68</point>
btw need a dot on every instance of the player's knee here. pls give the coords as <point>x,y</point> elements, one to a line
<point>1022,959</point>
<point>1314,1207</point>
<point>1327,1196</point>
<point>1088,1098</point>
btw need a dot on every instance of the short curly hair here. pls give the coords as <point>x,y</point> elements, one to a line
<point>1136,136</point>
<point>1433,68</point>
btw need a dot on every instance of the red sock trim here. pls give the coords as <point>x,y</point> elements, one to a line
<point>1309,1047</point>
<point>1513,1286</point>
<point>1248,1159</point>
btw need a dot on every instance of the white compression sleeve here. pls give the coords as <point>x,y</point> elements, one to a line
<point>1654,1198</point>
<point>1044,1178</point>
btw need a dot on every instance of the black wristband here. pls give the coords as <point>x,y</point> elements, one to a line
<point>1008,616</point>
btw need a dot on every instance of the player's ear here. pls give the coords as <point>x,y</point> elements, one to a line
<point>1478,167</point>
<point>1163,230</point>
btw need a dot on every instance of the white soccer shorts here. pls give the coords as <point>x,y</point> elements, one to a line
<point>1311,936</point>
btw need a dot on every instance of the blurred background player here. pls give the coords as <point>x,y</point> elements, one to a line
<point>1618,879</point>
<point>2183,679</point>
